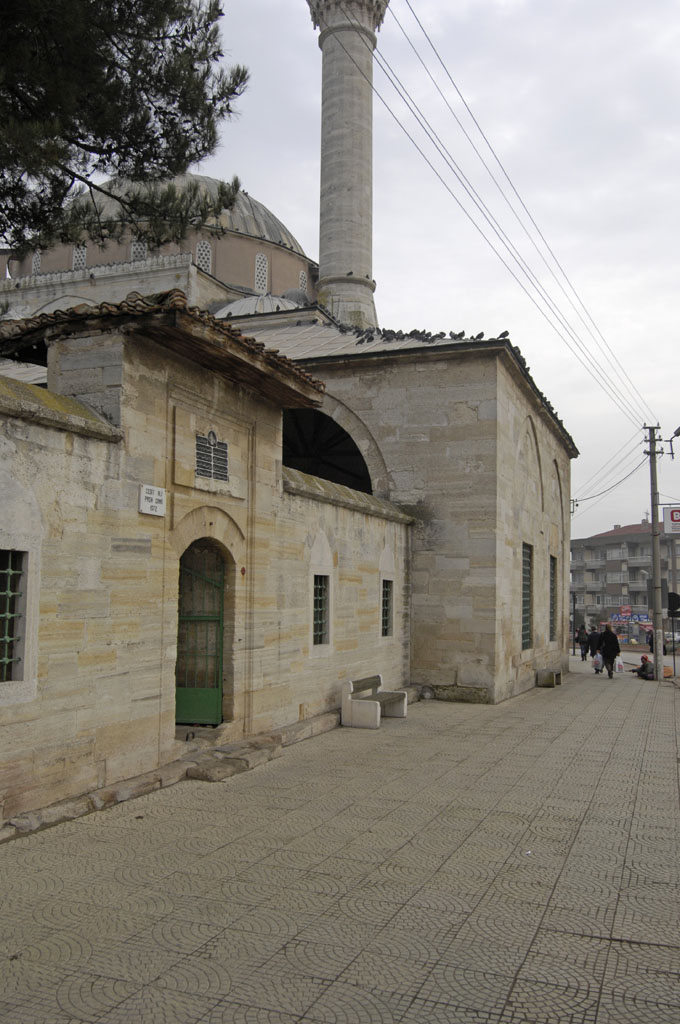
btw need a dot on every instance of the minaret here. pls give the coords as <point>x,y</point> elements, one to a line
<point>347,41</point>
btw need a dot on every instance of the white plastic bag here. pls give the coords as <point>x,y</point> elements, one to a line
<point>598,662</point>
<point>618,664</point>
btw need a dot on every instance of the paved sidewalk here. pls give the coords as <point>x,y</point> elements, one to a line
<point>470,865</point>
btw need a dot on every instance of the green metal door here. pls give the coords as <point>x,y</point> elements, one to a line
<point>198,672</point>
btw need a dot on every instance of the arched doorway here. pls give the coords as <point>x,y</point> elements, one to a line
<point>199,669</point>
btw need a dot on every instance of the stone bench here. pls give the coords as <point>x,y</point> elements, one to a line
<point>364,702</point>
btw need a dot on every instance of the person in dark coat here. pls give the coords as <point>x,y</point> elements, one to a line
<point>609,648</point>
<point>582,640</point>
<point>650,641</point>
<point>593,641</point>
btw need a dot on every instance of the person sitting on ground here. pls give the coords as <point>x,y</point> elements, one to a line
<point>609,647</point>
<point>645,669</point>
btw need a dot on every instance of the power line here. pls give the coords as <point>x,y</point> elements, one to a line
<point>519,198</point>
<point>605,385</point>
<point>613,486</point>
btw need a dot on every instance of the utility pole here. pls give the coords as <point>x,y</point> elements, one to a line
<point>656,556</point>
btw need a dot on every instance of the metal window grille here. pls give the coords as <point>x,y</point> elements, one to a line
<point>553,598</point>
<point>527,595</point>
<point>386,616</point>
<point>35,263</point>
<point>11,571</point>
<point>303,281</point>
<point>321,611</point>
<point>79,257</point>
<point>261,272</point>
<point>212,457</point>
<point>204,256</point>
<point>138,250</point>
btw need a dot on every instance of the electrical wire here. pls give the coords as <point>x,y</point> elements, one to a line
<point>640,398</point>
<point>608,467</point>
<point>605,385</point>
<point>614,486</point>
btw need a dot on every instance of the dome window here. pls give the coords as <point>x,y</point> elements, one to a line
<point>204,256</point>
<point>79,257</point>
<point>261,273</point>
<point>35,263</point>
<point>138,250</point>
<point>303,281</point>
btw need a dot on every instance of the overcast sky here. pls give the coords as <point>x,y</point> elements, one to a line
<point>580,101</point>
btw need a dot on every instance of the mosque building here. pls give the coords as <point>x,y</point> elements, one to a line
<point>227,490</point>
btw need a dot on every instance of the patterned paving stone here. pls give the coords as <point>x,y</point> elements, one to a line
<point>281,990</point>
<point>543,1003</point>
<point>424,1011</point>
<point>348,1004</point>
<point>89,998</point>
<point>467,986</point>
<point>233,1013</point>
<point>158,1005</point>
<point>640,1002</point>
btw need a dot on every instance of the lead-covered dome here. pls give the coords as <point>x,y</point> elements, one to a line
<point>247,216</point>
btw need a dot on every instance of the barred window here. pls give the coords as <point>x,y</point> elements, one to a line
<point>79,257</point>
<point>527,596</point>
<point>386,618</point>
<point>204,256</point>
<point>320,610</point>
<point>35,263</point>
<point>212,457</point>
<point>138,250</point>
<point>303,281</point>
<point>261,272</point>
<point>11,614</point>
<point>553,598</point>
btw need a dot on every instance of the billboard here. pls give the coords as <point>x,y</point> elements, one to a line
<point>671,520</point>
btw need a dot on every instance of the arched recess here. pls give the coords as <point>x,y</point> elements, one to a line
<point>210,548</point>
<point>333,443</point>
<point>559,498</point>
<point>529,477</point>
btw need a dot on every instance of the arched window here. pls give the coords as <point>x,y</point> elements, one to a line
<point>303,281</point>
<point>138,250</point>
<point>261,273</point>
<point>35,263</point>
<point>314,443</point>
<point>204,256</point>
<point>79,257</point>
<point>199,666</point>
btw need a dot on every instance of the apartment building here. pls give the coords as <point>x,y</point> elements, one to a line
<point>611,576</point>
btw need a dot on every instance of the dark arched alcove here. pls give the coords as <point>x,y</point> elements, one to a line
<point>316,444</point>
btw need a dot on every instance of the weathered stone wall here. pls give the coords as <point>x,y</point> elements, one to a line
<point>98,704</point>
<point>448,427</point>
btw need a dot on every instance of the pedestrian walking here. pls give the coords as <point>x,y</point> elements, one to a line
<point>608,647</point>
<point>582,640</point>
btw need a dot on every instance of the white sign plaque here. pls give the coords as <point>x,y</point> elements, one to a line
<point>151,500</point>
<point>671,520</point>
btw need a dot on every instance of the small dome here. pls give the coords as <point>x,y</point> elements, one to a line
<point>247,216</point>
<point>297,296</point>
<point>253,304</point>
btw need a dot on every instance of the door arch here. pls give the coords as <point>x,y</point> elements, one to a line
<point>199,668</point>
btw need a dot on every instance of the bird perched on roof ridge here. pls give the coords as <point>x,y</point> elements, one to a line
<point>504,334</point>
<point>478,337</point>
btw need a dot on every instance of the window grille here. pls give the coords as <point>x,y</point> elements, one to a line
<point>79,257</point>
<point>212,457</point>
<point>527,595</point>
<point>204,256</point>
<point>35,263</point>
<point>387,605</point>
<point>11,571</point>
<point>138,250</point>
<point>261,272</point>
<point>553,598</point>
<point>321,610</point>
<point>303,281</point>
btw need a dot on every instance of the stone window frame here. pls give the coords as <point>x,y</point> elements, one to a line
<point>321,610</point>
<point>386,607</point>
<point>303,281</point>
<point>322,583</point>
<point>35,261</point>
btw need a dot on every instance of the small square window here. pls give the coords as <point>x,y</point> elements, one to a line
<point>321,610</point>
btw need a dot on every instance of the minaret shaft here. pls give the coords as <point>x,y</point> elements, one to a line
<point>347,40</point>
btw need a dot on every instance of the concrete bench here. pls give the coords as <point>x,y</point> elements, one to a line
<point>364,702</point>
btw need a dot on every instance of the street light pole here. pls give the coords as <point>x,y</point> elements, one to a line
<point>656,557</point>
